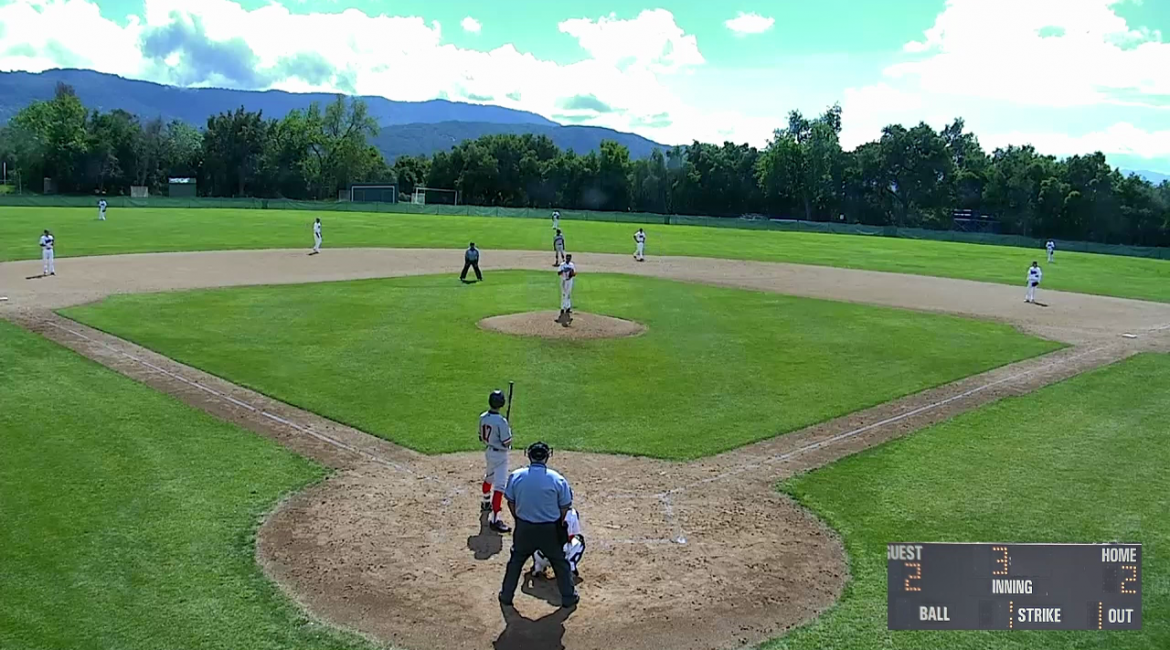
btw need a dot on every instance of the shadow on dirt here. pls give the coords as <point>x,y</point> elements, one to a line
<point>546,633</point>
<point>487,543</point>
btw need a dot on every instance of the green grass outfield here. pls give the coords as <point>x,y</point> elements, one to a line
<point>138,230</point>
<point>128,518</point>
<point>718,368</point>
<point>1081,461</point>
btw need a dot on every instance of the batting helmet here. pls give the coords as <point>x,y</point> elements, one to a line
<point>538,452</point>
<point>496,399</point>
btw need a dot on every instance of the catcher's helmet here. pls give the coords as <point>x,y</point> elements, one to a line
<point>538,452</point>
<point>496,399</point>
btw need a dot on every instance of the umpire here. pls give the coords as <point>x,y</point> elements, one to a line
<point>471,261</point>
<point>538,498</point>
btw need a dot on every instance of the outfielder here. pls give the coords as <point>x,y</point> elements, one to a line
<point>316,236</point>
<point>1034,276</point>
<point>640,245</point>
<point>496,435</point>
<point>102,210</point>
<point>556,220</point>
<point>574,548</point>
<point>47,241</point>
<point>1051,248</point>
<point>567,271</point>
<point>559,248</point>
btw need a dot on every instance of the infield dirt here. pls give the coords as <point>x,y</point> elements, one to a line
<point>685,555</point>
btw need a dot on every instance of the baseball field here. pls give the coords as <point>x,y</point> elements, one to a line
<point>214,440</point>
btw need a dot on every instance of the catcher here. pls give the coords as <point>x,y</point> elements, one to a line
<point>574,542</point>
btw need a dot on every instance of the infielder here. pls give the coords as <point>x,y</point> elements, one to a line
<point>640,245</point>
<point>567,271</point>
<point>47,241</point>
<point>496,435</point>
<point>556,220</point>
<point>1034,276</point>
<point>559,248</point>
<point>574,548</point>
<point>316,236</point>
<point>102,210</point>
<point>1051,248</point>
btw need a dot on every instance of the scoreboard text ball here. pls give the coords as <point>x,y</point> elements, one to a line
<point>934,586</point>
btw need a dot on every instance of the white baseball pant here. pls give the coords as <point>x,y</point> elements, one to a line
<point>567,293</point>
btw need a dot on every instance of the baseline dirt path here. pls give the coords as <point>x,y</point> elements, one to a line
<point>686,555</point>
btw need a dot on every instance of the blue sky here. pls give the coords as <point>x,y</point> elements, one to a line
<point>1069,76</point>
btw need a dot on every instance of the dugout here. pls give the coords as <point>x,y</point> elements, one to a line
<point>181,188</point>
<point>373,193</point>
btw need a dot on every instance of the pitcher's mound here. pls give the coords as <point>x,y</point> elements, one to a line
<point>543,323</point>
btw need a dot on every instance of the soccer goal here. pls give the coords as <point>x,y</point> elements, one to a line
<point>369,193</point>
<point>435,196</point>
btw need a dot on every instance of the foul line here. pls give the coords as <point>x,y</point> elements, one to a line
<point>228,398</point>
<point>890,420</point>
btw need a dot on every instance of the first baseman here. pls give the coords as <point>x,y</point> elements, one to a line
<point>640,245</point>
<point>567,271</point>
<point>496,435</point>
<point>47,241</point>
<point>1034,276</point>
<point>316,236</point>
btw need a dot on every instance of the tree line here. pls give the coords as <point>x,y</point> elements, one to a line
<point>909,177</point>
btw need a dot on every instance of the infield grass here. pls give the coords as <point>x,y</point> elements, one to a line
<point>143,230</point>
<point>128,518</point>
<point>1080,461</point>
<point>718,368</point>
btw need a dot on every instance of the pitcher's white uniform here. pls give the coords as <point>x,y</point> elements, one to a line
<point>574,549</point>
<point>1051,248</point>
<point>1034,276</point>
<point>102,210</point>
<point>48,267</point>
<point>496,435</point>
<point>639,245</point>
<point>317,236</point>
<point>567,271</point>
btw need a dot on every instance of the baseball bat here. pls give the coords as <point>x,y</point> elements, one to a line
<point>508,415</point>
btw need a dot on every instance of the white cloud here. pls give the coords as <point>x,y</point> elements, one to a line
<point>470,24</point>
<point>220,43</point>
<point>1119,139</point>
<point>1021,59</point>
<point>1038,52</point>
<point>749,23</point>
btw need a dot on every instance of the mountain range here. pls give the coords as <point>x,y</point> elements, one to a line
<point>1157,178</point>
<point>408,128</point>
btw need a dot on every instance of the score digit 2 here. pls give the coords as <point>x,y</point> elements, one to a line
<point>1132,570</point>
<point>917,566</point>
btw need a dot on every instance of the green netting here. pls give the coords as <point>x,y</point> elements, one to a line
<point>25,200</point>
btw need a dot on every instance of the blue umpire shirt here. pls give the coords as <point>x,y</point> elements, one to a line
<point>472,255</point>
<point>539,494</point>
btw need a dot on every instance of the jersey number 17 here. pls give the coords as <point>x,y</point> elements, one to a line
<point>485,433</point>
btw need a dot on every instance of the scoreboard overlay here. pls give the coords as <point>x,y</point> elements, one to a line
<point>994,586</point>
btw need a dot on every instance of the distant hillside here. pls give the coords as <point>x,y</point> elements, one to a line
<point>408,128</point>
<point>1154,177</point>
<point>194,105</point>
<point>416,139</point>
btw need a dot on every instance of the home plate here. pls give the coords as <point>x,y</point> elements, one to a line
<point>1130,336</point>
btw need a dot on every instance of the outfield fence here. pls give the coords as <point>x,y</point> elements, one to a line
<point>588,215</point>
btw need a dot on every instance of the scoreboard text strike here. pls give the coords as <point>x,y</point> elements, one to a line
<point>1014,586</point>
